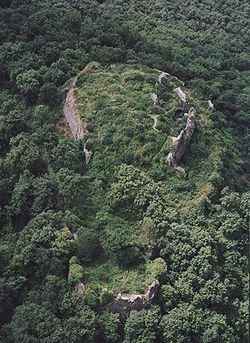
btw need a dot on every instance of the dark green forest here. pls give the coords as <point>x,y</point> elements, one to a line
<point>77,234</point>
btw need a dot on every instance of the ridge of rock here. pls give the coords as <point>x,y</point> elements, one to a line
<point>181,142</point>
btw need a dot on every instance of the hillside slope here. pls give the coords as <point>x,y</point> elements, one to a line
<point>130,118</point>
<point>116,105</point>
<point>88,225</point>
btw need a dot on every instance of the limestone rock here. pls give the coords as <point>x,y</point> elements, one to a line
<point>74,234</point>
<point>155,119</point>
<point>88,154</point>
<point>163,78</point>
<point>124,304</point>
<point>72,117</point>
<point>181,142</point>
<point>79,288</point>
<point>152,290</point>
<point>154,98</point>
<point>210,104</point>
<point>152,252</point>
<point>182,98</point>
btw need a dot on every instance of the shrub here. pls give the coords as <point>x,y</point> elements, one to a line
<point>75,271</point>
<point>91,297</point>
<point>105,296</point>
<point>157,268</point>
<point>87,244</point>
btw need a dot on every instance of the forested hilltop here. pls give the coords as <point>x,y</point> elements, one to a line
<point>132,226</point>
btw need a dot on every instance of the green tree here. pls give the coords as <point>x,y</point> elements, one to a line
<point>28,84</point>
<point>76,271</point>
<point>43,247</point>
<point>142,326</point>
<point>109,327</point>
<point>67,154</point>
<point>23,154</point>
<point>87,244</point>
<point>70,187</point>
<point>32,323</point>
<point>11,289</point>
<point>119,242</point>
<point>48,94</point>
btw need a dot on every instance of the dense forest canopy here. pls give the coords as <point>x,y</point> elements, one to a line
<point>75,234</point>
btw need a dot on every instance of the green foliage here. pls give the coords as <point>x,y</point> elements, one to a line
<point>91,297</point>
<point>118,278</point>
<point>142,326</point>
<point>63,243</point>
<point>32,316</point>
<point>105,296</point>
<point>109,327</point>
<point>11,289</point>
<point>23,154</point>
<point>127,197</point>
<point>157,268</point>
<point>28,83</point>
<point>43,246</point>
<point>87,244</point>
<point>76,271</point>
<point>46,327</point>
<point>48,94</point>
<point>67,154</point>
<point>148,231</point>
<point>70,187</point>
<point>120,243</point>
<point>185,324</point>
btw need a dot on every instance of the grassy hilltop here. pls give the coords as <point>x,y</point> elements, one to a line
<point>116,105</point>
<point>131,137</point>
<point>82,220</point>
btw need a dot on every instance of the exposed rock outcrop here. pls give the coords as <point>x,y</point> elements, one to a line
<point>155,117</point>
<point>124,304</point>
<point>154,98</point>
<point>181,142</point>
<point>182,98</point>
<point>163,78</point>
<point>152,252</point>
<point>210,104</point>
<point>72,116</point>
<point>152,291</point>
<point>79,288</point>
<point>88,154</point>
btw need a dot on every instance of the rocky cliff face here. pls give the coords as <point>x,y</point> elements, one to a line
<point>124,304</point>
<point>181,142</point>
<point>210,104</point>
<point>163,77</point>
<point>154,98</point>
<point>182,98</point>
<point>72,116</point>
<point>79,288</point>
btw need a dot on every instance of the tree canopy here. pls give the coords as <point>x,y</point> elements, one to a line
<point>74,236</point>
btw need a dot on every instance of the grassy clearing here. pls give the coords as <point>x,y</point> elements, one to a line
<point>107,274</point>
